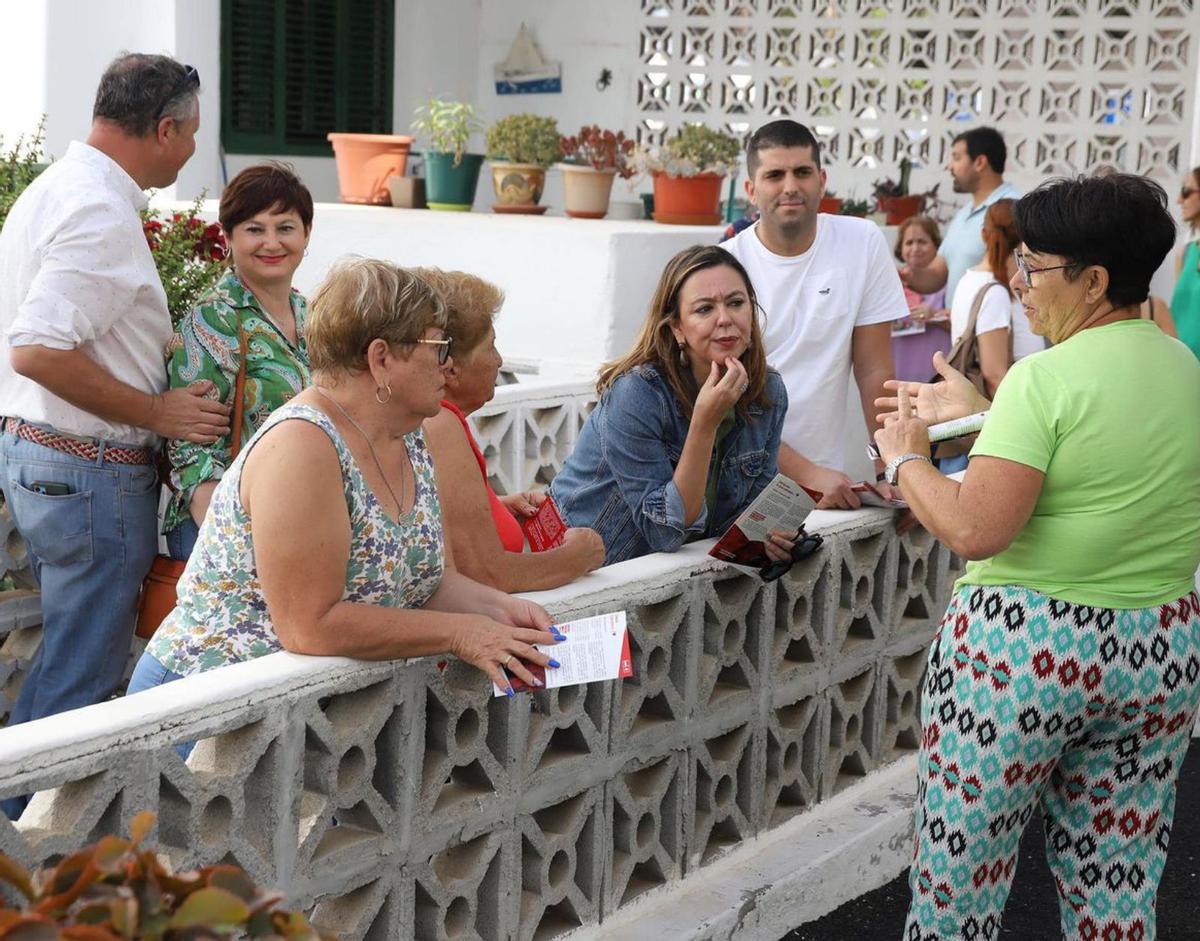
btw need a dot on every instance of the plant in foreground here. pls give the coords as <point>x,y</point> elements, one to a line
<point>116,890</point>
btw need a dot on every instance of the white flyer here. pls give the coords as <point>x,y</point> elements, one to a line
<point>596,648</point>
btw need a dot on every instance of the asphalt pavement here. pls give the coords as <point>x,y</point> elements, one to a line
<point>1032,910</point>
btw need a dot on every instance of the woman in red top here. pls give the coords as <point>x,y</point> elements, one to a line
<point>483,529</point>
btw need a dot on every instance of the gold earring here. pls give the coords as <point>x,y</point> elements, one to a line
<point>388,398</point>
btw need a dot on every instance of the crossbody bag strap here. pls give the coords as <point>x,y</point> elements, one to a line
<point>239,393</point>
<point>960,353</point>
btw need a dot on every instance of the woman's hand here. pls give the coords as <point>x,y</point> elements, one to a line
<point>523,505</point>
<point>493,647</point>
<point>921,313</point>
<point>903,432</point>
<point>585,545</point>
<point>720,393</point>
<point>933,402</point>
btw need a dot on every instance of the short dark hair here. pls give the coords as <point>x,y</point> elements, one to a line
<point>137,90</point>
<point>783,133</point>
<point>262,187</point>
<point>988,142</point>
<point>1088,220</point>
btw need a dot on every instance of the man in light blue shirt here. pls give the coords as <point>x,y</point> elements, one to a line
<point>976,166</point>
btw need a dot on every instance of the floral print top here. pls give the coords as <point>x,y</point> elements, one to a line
<point>206,347</point>
<point>221,616</point>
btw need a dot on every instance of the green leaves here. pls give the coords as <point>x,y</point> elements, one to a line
<point>20,166</point>
<point>190,255</point>
<point>446,125</point>
<point>524,138</point>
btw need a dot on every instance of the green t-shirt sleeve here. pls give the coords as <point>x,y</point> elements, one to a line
<point>1023,423</point>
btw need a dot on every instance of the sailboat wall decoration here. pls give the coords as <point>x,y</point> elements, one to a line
<point>525,71</point>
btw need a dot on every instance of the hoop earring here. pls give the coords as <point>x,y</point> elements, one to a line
<point>383,401</point>
<point>683,356</point>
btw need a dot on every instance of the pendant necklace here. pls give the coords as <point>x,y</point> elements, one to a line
<point>374,456</point>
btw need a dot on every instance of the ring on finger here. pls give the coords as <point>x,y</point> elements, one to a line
<point>507,660</point>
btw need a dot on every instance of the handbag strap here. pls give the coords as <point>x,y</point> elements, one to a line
<point>963,345</point>
<point>239,394</point>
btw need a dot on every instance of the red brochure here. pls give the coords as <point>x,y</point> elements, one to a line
<point>545,529</point>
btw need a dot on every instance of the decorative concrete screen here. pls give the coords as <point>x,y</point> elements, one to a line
<point>404,800</point>
<point>1071,83</point>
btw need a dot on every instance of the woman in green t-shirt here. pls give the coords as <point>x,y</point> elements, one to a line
<point>1066,674</point>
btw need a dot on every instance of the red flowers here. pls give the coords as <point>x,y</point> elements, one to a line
<point>190,255</point>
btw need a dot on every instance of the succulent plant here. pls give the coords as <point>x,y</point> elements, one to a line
<point>524,138</point>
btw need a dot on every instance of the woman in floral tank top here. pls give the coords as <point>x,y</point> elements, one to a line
<point>324,537</point>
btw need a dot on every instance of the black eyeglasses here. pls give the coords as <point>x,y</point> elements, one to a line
<point>191,79</point>
<point>443,346</point>
<point>1027,273</point>
<point>805,544</point>
<point>1187,191</point>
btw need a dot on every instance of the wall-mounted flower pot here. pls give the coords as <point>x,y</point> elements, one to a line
<point>831,205</point>
<point>365,162</point>
<point>518,187</point>
<point>448,187</point>
<point>586,191</point>
<point>900,208</point>
<point>688,200</point>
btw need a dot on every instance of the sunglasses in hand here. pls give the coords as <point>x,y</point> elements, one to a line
<point>803,545</point>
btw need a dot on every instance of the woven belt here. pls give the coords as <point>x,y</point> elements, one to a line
<point>86,448</point>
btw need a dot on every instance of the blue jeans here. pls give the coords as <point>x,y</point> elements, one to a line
<point>89,549</point>
<point>148,674</point>
<point>182,540</point>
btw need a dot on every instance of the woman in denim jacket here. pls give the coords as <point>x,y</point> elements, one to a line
<point>687,429</point>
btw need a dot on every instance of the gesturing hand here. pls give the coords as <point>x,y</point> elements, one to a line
<point>720,393</point>
<point>934,402</point>
<point>186,415</point>
<point>903,432</point>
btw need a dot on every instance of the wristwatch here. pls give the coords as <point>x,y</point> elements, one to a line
<point>892,471</point>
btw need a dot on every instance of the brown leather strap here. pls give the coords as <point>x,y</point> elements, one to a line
<point>239,395</point>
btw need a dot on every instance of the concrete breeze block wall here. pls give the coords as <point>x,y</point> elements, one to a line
<point>403,799</point>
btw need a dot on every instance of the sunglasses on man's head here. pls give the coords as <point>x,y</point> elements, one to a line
<point>804,545</point>
<point>190,79</point>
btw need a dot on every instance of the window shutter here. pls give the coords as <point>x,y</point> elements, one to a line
<point>310,72</point>
<point>367,38</point>
<point>248,89</point>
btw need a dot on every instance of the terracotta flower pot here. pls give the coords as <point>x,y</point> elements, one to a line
<point>364,163</point>
<point>687,200</point>
<point>586,191</point>
<point>831,205</point>
<point>900,208</point>
<point>518,187</point>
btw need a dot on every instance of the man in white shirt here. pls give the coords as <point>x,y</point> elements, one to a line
<point>83,383</point>
<point>829,292</point>
<point>977,160</point>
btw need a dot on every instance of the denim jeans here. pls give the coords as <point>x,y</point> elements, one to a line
<point>89,549</point>
<point>148,674</point>
<point>182,540</point>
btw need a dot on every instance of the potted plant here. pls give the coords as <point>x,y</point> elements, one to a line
<point>894,199</point>
<point>688,171</point>
<point>115,889</point>
<point>856,207</point>
<point>830,203</point>
<point>451,173</point>
<point>590,161</point>
<point>365,162</point>
<point>520,148</point>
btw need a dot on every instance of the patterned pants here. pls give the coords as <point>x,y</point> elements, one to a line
<point>1085,711</point>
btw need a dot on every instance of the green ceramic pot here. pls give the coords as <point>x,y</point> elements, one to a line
<point>448,187</point>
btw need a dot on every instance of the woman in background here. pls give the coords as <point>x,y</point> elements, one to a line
<point>917,244</point>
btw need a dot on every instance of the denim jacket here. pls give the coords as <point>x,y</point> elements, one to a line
<point>618,480</point>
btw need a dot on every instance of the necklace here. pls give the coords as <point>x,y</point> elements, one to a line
<point>374,456</point>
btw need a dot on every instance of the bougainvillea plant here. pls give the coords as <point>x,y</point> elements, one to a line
<point>117,890</point>
<point>190,254</point>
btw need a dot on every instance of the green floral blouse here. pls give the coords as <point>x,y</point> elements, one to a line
<point>206,347</point>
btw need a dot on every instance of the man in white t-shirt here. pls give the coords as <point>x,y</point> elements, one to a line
<point>829,291</point>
